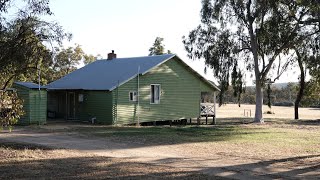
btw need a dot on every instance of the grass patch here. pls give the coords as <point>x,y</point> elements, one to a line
<point>272,135</point>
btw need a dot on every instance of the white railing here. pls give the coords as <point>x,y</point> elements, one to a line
<point>206,109</point>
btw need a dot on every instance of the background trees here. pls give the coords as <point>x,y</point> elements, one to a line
<point>254,33</point>
<point>158,47</point>
<point>25,41</point>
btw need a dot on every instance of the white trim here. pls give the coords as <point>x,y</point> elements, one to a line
<point>134,96</point>
<point>159,93</point>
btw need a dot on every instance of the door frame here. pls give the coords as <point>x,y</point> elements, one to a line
<point>71,105</point>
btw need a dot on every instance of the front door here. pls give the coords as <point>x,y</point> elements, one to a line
<point>71,106</point>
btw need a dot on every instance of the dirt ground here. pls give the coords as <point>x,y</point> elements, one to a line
<point>232,160</point>
<point>233,110</point>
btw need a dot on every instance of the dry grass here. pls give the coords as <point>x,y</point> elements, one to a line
<point>234,111</point>
<point>18,161</point>
<point>279,149</point>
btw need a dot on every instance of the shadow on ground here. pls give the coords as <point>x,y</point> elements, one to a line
<point>99,137</point>
<point>96,167</point>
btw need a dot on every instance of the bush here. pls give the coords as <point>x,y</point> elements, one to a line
<point>285,103</point>
<point>11,108</point>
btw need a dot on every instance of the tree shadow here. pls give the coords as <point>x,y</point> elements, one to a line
<point>23,146</point>
<point>92,168</point>
<point>300,167</point>
<point>100,167</point>
<point>315,122</point>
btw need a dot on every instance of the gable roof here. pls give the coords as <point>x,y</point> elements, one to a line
<point>29,85</point>
<point>109,74</point>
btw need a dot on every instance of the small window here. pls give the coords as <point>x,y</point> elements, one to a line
<point>133,95</point>
<point>155,94</point>
<point>80,98</point>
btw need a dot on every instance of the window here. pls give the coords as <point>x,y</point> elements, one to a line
<point>80,98</point>
<point>155,94</point>
<point>133,95</point>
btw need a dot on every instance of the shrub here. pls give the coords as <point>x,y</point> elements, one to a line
<point>285,103</point>
<point>11,108</point>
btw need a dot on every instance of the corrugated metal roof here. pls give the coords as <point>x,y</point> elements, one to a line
<point>108,74</point>
<point>29,85</point>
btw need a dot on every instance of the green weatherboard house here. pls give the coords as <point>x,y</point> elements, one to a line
<point>34,102</point>
<point>106,91</point>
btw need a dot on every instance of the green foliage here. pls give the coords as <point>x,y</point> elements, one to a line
<point>158,47</point>
<point>11,108</point>
<point>253,33</point>
<point>24,41</point>
<point>269,94</point>
<point>66,61</point>
<point>312,94</point>
<point>89,58</point>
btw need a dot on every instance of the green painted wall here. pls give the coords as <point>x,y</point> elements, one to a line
<point>180,95</point>
<point>98,104</point>
<point>38,106</point>
<point>34,105</point>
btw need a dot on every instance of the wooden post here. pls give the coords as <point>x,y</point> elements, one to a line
<point>207,119</point>
<point>190,120</point>
<point>214,107</point>
<point>198,120</point>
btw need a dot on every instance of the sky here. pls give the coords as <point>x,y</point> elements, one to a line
<point>129,27</point>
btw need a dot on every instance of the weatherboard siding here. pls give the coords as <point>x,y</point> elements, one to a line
<point>34,105</point>
<point>23,93</point>
<point>180,95</point>
<point>38,106</point>
<point>98,104</point>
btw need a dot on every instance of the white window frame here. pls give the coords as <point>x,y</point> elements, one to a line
<point>134,96</point>
<point>151,93</point>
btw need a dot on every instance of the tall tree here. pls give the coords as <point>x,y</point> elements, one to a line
<point>313,65</point>
<point>158,47</point>
<point>24,40</point>
<point>65,61</point>
<point>89,58</point>
<point>23,50</point>
<point>254,31</point>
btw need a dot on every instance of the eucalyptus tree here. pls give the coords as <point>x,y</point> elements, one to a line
<point>25,40</point>
<point>254,33</point>
<point>307,58</point>
<point>313,65</point>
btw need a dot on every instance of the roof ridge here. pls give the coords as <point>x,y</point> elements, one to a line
<point>136,57</point>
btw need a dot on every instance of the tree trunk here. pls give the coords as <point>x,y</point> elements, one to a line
<point>301,88</point>
<point>259,102</point>
<point>259,95</point>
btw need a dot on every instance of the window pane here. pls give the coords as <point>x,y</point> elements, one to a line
<point>152,93</point>
<point>157,93</point>
<point>134,96</point>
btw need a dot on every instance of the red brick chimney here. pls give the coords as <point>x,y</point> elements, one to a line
<point>112,55</point>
